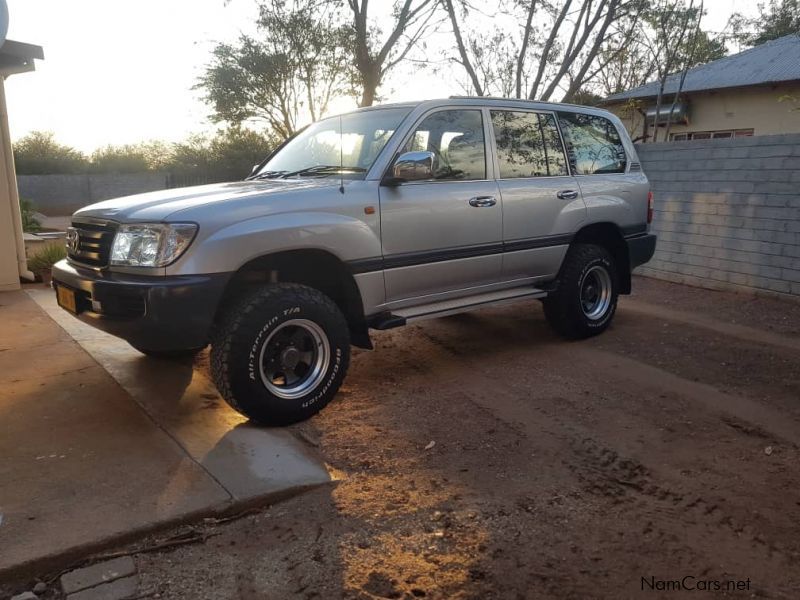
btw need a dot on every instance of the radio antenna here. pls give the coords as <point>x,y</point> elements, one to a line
<point>341,157</point>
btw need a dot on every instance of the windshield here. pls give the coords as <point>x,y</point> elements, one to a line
<point>321,149</point>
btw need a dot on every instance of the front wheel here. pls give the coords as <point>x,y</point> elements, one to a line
<point>280,354</point>
<point>169,354</point>
<point>585,301</point>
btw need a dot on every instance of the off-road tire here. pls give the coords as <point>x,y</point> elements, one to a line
<point>169,354</point>
<point>246,326</point>
<point>563,308</point>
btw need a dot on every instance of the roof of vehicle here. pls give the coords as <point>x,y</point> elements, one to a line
<point>486,101</point>
<point>772,62</point>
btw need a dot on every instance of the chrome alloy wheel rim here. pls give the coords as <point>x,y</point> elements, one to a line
<point>294,358</point>
<point>596,293</point>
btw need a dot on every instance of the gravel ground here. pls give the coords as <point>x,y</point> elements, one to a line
<point>480,456</point>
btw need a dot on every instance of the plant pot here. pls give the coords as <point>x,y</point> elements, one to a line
<point>46,276</point>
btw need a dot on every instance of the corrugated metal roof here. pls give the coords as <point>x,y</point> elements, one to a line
<point>772,62</point>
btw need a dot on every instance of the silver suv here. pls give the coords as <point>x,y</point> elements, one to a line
<point>369,220</point>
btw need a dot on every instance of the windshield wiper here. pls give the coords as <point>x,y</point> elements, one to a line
<point>322,170</point>
<point>266,175</point>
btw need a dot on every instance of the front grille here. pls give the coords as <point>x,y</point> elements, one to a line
<point>94,243</point>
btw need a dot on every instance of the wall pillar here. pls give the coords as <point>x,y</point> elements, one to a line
<point>13,263</point>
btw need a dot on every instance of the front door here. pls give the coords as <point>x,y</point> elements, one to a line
<point>445,233</point>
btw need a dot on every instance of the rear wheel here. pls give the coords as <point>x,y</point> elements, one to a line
<point>585,301</point>
<point>280,354</point>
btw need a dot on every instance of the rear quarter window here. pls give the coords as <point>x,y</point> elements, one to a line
<point>593,144</point>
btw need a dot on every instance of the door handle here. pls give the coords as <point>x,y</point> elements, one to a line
<point>567,195</point>
<point>481,201</point>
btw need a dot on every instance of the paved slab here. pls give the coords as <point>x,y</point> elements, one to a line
<point>98,573</point>
<point>79,461</point>
<point>248,461</point>
<point>121,589</point>
<point>83,464</point>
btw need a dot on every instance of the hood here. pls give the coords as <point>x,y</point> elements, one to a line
<point>160,205</point>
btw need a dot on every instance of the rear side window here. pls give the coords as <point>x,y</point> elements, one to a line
<point>593,144</point>
<point>528,145</point>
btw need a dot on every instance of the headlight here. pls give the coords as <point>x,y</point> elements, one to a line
<point>156,245</point>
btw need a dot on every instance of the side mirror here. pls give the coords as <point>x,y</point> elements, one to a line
<point>413,166</point>
<point>255,169</point>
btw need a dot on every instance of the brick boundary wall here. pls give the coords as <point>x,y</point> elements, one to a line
<point>727,213</point>
<point>62,195</point>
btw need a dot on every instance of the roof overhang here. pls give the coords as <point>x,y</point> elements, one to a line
<point>668,94</point>
<point>17,57</point>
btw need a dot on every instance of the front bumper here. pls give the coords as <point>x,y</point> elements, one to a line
<point>641,249</point>
<point>153,313</point>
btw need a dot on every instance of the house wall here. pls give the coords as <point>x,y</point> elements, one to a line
<point>727,212</point>
<point>755,108</point>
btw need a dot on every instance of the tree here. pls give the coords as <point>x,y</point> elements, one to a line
<point>776,19</point>
<point>671,34</point>
<point>38,153</point>
<point>230,154</point>
<point>119,159</point>
<point>632,62</point>
<point>375,58</point>
<point>289,75</point>
<point>537,48</point>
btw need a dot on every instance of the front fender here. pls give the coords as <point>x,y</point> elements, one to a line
<point>227,249</point>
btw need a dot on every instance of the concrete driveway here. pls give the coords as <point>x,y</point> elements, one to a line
<point>99,444</point>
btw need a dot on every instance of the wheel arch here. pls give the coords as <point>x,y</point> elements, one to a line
<point>609,236</point>
<point>315,268</point>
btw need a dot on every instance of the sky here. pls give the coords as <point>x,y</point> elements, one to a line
<point>122,71</point>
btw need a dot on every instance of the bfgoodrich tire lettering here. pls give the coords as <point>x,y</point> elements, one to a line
<point>250,332</point>
<point>585,301</point>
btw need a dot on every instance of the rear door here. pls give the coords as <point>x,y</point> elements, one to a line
<point>542,203</point>
<point>613,187</point>
<point>444,234</point>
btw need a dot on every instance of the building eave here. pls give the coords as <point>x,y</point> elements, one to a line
<point>18,57</point>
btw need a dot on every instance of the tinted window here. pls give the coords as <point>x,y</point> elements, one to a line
<point>593,144</point>
<point>528,144</point>
<point>456,138</point>
<point>556,161</point>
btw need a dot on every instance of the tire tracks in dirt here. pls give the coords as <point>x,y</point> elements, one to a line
<point>662,505</point>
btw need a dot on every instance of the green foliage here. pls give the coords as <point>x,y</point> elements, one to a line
<point>776,19</point>
<point>131,158</point>
<point>38,153</point>
<point>229,155</point>
<point>301,61</point>
<point>586,97</point>
<point>30,224</point>
<point>45,258</point>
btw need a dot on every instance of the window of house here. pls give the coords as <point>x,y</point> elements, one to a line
<point>528,145</point>
<point>709,135</point>
<point>456,139</point>
<point>593,144</point>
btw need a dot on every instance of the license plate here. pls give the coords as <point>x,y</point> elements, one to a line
<point>66,299</point>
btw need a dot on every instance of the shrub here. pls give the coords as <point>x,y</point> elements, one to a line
<point>38,153</point>
<point>30,223</point>
<point>45,258</point>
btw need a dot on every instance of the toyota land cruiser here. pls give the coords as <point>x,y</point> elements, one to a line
<point>369,220</point>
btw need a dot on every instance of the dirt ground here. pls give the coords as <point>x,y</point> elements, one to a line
<point>480,456</point>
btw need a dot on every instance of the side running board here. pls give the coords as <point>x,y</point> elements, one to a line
<point>402,316</point>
